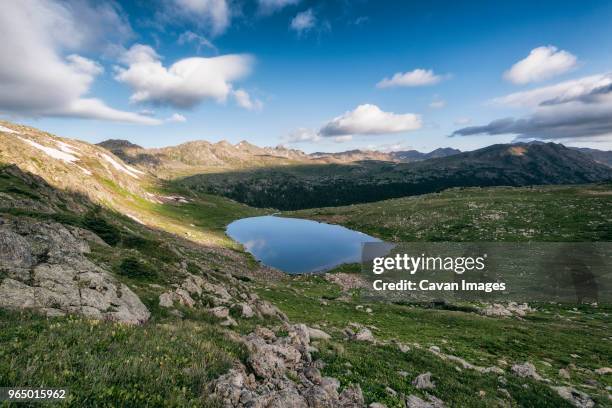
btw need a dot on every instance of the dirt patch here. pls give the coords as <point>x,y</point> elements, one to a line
<point>517,150</point>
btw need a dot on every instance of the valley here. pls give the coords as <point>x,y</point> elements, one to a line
<point>220,328</point>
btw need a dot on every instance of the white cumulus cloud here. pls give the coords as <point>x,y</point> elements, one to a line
<point>542,63</point>
<point>42,73</point>
<point>417,77</point>
<point>185,83</point>
<point>369,119</point>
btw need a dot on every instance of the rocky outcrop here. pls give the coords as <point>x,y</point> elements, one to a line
<point>43,268</point>
<point>509,310</point>
<point>219,299</point>
<point>280,372</point>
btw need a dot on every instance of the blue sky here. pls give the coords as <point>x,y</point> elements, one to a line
<point>311,74</point>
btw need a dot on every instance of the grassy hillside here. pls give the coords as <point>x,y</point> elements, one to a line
<point>168,361</point>
<point>552,338</point>
<point>543,213</point>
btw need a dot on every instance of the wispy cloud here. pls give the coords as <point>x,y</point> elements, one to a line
<point>437,103</point>
<point>214,16</point>
<point>301,135</point>
<point>199,41</point>
<point>272,6</point>
<point>244,100</point>
<point>417,77</point>
<point>176,117</point>
<point>303,21</point>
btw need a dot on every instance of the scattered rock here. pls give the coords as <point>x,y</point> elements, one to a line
<point>317,334</point>
<point>564,373</point>
<point>377,405</point>
<point>351,396</point>
<point>364,334</point>
<point>505,393</point>
<point>412,401</point>
<point>423,381</point>
<point>246,311</point>
<point>526,370</point>
<point>404,348</point>
<point>313,374</point>
<point>603,370</point>
<point>229,322</point>
<point>166,300</point>
<point>576,398</point>
<point>220,312</point>
<point>390,391</point>
<point>512,309</point>
<point>347,281</point>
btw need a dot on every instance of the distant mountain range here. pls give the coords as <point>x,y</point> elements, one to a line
<point>288,178</point>
<point>202,156</point>
<point>321,185</point>
<point>600,156</point>
<point>414,155</point>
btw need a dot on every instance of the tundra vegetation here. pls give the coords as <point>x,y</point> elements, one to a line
<point>215,316</point>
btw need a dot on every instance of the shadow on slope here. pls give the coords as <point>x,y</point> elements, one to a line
<point>309,186</point>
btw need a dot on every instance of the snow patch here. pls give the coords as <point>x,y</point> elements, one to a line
<point>135,219</point>
<point>56,154</point>
<point>126,169</point>
<point>7,130</point>
<point>84,170</point>
<point>135,170</point>
<point>66,148</point>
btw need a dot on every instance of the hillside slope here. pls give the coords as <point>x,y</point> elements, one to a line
<point>307,186</point>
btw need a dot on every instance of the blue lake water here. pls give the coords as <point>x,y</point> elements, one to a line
<point>295,245</point>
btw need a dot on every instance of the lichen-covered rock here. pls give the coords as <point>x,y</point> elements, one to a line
<point>423,381</point>
<point>526,370</point>
<point>220,312</point>
<point>46,270</point>
<point>245,310</point>
<point>317,334</point>
<point>364,334</point>
<point>511,309</point>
